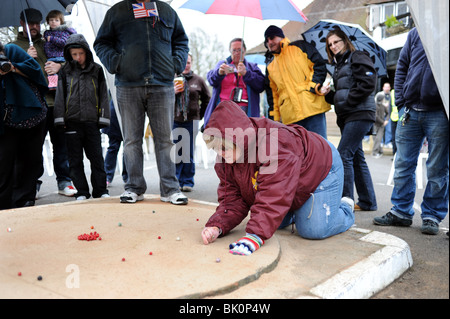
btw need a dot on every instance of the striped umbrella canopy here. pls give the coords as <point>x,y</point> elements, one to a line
<point>259,9</point>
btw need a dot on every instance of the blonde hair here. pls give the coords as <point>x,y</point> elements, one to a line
<point>217,143</point>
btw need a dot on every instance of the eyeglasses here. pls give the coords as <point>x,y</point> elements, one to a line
<point>236,50</point>
<point>334,43</point>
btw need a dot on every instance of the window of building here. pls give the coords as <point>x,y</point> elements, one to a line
<point>380,12</point>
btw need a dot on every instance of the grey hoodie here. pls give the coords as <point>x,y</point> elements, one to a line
<point>81,95</point>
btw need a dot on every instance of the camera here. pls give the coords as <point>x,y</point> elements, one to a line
<point>5,66</point>
<point>237,95</point>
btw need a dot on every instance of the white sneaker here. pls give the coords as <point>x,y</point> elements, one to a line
<point>349,202</point>
<point>68,191</point>
<point>130,197</point>
<point>81,198</point>
<point>176,199</point>
<point>105,196</point>
<point>187,188</point>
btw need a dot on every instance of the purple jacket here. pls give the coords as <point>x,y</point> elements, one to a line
<point>254,79</point>
<point>54,48</point>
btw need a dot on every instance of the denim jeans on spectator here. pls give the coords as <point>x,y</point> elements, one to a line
<point>60,156</point>
<point>409,139</point>
<point>316,123</point>
<point>158,103</point>
<point>323,214</point>
<point>185,170</point>
<point>356,171</point>
<point>111,159</point>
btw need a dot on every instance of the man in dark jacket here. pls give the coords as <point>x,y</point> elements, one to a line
<point>144,53</point>
<point>60,156</point>
<point>422,115</point>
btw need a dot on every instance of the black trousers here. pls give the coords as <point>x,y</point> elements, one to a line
<point>20,165</point>
<point>86,137</point>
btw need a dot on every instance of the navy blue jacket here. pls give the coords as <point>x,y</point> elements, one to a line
<point>414,84</point>
<point>144,51</point>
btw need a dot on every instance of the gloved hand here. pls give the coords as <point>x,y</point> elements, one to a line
<point>246,245</point>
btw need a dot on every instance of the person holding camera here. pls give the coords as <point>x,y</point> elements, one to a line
<point>23,112</point>
<point>235,79</point>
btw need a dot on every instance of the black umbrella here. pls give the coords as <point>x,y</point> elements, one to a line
<point>317,34</point>
<point>10,9</point>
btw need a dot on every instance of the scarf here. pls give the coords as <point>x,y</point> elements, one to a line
<point>182,99</point>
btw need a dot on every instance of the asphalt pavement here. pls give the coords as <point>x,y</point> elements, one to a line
<point>426,279</point>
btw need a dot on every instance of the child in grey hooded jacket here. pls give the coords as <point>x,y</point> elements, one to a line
<point>82,108</point>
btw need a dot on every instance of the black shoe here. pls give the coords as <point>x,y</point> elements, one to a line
<point>28,203</point>
<point>391,220</point>
<point>430,227</point>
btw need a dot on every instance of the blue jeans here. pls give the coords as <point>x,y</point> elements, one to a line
<point>111,159</point>
<point>356,171</point>
<point>158,103</point>
<point>324,215</point>
<point>60,156</point>
<point>409,139</point>
<point>185,170</point>
<point>316,123</point>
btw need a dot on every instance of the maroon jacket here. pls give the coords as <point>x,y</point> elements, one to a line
<point>298,163</point>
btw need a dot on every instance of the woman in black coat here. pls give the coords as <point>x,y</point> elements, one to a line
<point>354,81</point>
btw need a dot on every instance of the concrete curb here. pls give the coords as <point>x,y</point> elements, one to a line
<point>371,275</point>
<point>388,259</point>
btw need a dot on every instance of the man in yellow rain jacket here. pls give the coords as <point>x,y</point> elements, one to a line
<point>295,76</point>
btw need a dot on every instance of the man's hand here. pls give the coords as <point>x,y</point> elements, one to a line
<point>52,67</point>
<point>32,52</point>
<point>242,70</point>
<point>225,69</point>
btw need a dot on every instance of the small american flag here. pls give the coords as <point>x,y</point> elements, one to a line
<point>146,9</point>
